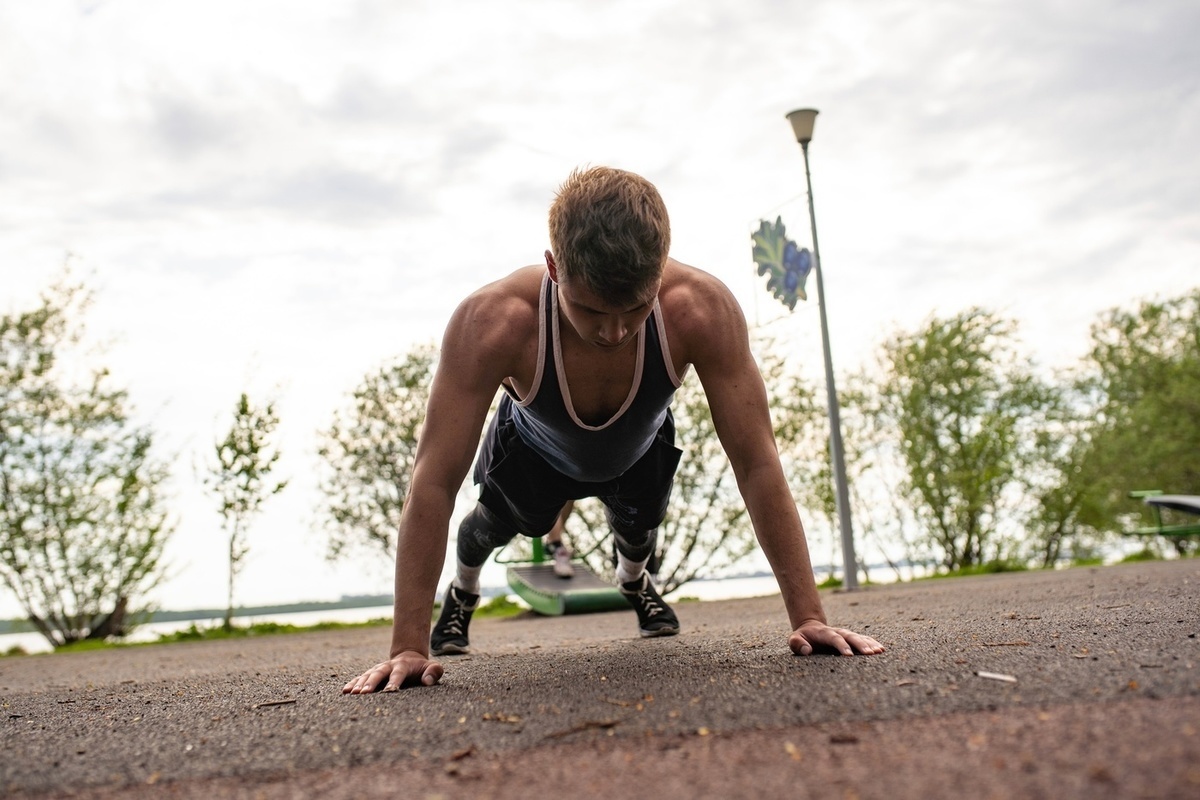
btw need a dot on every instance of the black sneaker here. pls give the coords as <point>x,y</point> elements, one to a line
<point>655,617</point>
<point>449,635</point>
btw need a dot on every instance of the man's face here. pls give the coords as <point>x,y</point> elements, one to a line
<point>596,320</point>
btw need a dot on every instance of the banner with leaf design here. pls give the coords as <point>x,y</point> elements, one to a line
<point>786,265</point>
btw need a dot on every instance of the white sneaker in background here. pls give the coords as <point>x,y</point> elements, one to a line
<point>562,562</point>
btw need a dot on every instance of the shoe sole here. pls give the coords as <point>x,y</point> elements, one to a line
<point>451,650</point>
<point>659,632</point>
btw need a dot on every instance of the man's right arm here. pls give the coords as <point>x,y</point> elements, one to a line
<point>475,358</point>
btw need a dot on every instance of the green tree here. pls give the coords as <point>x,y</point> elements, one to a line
<point>884,524</point>
<point>368,452</point>
<point>82,526</point>
<point>1059,482</point>
<point>963,405</point>
<point>240,479</point>
<point>1144,376</point>
<point>707,528</point>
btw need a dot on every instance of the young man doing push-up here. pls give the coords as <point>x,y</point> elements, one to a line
<point>588,348</point>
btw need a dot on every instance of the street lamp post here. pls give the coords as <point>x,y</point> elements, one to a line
<point>803,121</point>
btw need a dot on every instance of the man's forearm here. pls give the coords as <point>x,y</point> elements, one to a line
<point>781,536</point>
<point>420,555</point>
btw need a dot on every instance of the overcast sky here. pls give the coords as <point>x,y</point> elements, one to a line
<point>281,196</point>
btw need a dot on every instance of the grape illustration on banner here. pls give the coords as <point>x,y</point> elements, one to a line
<point>786,265</point>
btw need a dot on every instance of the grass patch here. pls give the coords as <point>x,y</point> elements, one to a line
<point>496,608</point>
<point>990,568</point>
<point>86,646</point>
<point>197,634</point>
<point>1145,554</point>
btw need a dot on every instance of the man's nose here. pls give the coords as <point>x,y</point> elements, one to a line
<point>613,330</point>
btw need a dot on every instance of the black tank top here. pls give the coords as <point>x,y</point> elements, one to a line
<point>546,420</point>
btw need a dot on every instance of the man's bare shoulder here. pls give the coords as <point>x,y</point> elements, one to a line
<point>501,313</point>
<point>696,304</point>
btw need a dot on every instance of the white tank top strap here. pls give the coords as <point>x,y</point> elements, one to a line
<point>543,299</point>
<point>677,380</point>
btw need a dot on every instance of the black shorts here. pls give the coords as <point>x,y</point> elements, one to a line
<point>525,492</point>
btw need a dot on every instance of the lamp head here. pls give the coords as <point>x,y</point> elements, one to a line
<point>803,120</point>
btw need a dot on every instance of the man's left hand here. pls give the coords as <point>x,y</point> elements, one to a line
<point>814,635</point>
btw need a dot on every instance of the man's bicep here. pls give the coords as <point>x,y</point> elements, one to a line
<point>454,421</point>
<point>468,375</point>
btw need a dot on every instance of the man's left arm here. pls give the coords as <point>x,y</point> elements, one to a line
<point>741,415</point>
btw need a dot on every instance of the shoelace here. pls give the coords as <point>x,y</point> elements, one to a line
<point>649,604</point>
<point>457,618</point>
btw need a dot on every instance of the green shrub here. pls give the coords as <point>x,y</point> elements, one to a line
<point>1145,554</point>
<point>989,568</point>
<point>499,606</point>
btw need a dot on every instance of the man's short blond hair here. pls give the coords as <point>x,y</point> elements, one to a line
<point>609,229</point>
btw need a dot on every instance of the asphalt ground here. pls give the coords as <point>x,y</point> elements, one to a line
<point>1075,683</point>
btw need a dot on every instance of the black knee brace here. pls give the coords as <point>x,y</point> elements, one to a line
<point>636,546</point>
<point>479,534</point>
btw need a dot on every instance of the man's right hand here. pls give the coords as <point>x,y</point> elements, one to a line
<point>410,668</point>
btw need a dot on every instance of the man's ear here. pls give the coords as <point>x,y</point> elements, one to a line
<point>553,267</point>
